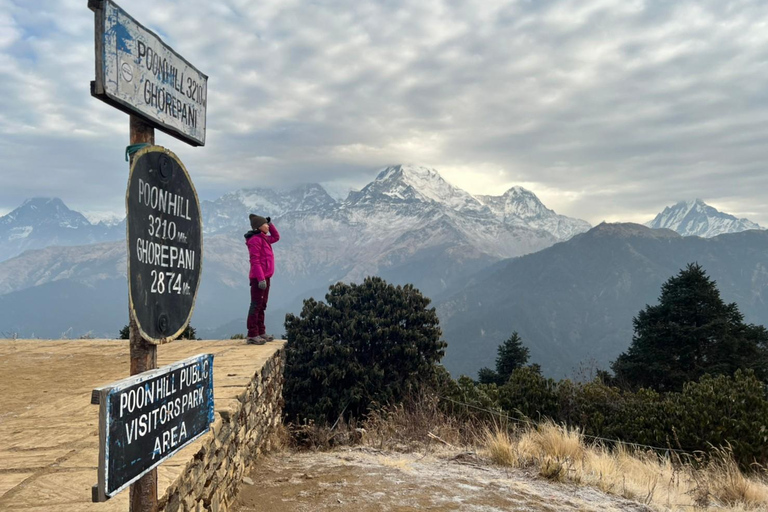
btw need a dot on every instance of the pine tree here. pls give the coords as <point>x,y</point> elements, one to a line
<point>690,333</point>
<point>189,333</point>
<point>369,344</point>
<point>510,356</point>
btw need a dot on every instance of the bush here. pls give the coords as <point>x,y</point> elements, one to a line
<point>715,412</point>
<point>530,393</point>
<point>370,343</point>
<point>471,400</point>
<point>720,411</point>
<point>188,334</point>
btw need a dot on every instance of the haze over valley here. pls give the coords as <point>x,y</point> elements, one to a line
<point>491,264</point>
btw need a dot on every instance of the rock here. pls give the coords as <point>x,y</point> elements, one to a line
<point>247,481</point>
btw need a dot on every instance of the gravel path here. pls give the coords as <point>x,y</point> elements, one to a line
<point>362,480</point>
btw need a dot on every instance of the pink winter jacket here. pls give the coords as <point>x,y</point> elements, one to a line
<point>260,251</point>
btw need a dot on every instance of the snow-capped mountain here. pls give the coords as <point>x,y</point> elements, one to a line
<point>408,226</point>
<point>520,206</point>
<point>407,212</point>
<point>230,211</point>
<point>108,219</point>
<point>409,184</point>
<point>697,218</point>
<point>44,211</point>
<point>42,222</point>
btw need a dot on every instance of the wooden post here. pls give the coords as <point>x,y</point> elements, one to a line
<point>143,492</point>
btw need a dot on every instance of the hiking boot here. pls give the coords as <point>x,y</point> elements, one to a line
<point>268,337</point>
<point>255,340</point>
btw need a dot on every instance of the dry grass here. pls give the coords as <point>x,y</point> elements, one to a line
<point>664,484</point>
<point>416,424</point>
<point>731,487</point>
<point>552,448</point>
<point>500,447</point>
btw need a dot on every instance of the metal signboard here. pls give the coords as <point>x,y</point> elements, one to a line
<point>141,75</point>
<point>146,418</point>
<point>165,244</point>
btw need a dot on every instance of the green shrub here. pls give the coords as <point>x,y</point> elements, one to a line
<point>370,343</point>
<point>530,393</point>
<point>188,334</point>
<point>718,411</point>
<point>721,410</point>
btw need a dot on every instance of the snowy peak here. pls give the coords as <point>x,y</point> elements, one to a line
<point>231,211</point>
<point>414,184</point>
<point>104,218</point>
<point>43,211</point>
<point>697,218</point>
<point>516,203</point>
<point>40,222</point>
<point>520,206</point>
<point>279,201</point>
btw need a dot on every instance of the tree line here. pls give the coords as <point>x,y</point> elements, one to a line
<point>693,377</point>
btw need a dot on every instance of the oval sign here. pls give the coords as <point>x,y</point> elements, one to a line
<point>165,244</point>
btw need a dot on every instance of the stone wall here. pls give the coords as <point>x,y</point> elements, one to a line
<point>244,428</point>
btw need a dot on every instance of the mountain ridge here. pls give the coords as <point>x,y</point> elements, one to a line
<point>574,302</point>
<point>40,222</point>
<point>520,205</point>
<point>408,226</point>
<point>697,218</point>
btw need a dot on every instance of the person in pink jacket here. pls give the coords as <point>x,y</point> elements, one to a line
<point>259,242</point>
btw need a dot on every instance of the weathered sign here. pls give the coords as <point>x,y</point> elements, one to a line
<point>165,244</point>
<point>139,74</point>
<point>146,418</point>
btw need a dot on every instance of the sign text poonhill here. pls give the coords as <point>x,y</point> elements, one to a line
<point>164,244</point>
<point>138,73</point>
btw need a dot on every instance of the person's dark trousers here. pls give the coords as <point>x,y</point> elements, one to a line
<point>256,311</point>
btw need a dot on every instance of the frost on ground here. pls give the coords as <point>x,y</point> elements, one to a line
<point>364,479</point>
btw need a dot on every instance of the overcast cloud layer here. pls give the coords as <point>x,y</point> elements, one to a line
<point>607,109</point>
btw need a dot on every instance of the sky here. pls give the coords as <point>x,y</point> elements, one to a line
<point>606,109</point>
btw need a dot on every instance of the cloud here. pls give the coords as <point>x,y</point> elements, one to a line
<point>608,109</point>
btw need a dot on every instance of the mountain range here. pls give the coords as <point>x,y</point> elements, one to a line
<point>43,222</point>
<point>574,302</point>
<point>408,225</point>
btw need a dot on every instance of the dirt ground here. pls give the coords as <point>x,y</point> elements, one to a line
<point>364,479</point>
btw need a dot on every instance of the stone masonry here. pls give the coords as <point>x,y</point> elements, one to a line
<point>242,431</point>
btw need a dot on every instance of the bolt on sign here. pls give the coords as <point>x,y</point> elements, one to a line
<point>138,73</point>
<point>165,244</point>
<point>147,418</point>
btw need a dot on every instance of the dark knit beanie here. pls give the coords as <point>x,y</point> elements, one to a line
<point>257,221</point>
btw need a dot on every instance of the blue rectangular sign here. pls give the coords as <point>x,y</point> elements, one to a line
<point>146,418</point>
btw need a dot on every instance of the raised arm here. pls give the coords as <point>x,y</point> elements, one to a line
<point>273,235</point>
